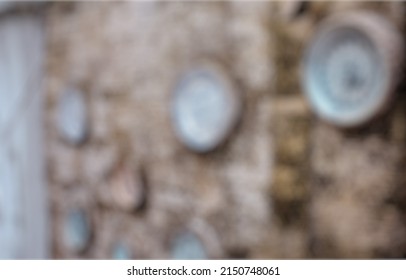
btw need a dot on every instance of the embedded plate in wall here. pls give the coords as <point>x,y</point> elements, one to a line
<point>121,252</point>
<point>351,68</point>
<point>72,116</point>
<point>187,246</point>
<point>205,108</point>
<point>76,230</point>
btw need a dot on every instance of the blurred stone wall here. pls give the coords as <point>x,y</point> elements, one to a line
<point>285,184</point>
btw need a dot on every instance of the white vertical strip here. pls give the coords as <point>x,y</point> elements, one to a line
<point>24,189</point>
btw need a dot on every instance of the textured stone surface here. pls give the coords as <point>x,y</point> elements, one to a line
<point>284,185</point>
<point>127,57</point>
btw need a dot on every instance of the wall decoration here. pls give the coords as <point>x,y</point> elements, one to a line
<point>205,108</point>
<point>351,68</point>
<point>121,252</point>
<point>77,230</point>
<point>187,245</point>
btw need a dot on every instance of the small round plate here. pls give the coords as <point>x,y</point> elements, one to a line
<point>77,231</point>
<point>121,252</point>
<point>205,108</point>
<point>187,246</point>
<point>72,116</point>
<point>350,68</point>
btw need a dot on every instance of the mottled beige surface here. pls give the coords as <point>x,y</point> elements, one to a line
<point>285,185</point>
<point>127,57</point>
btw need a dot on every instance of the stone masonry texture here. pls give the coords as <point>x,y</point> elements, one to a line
<point>284,185</point>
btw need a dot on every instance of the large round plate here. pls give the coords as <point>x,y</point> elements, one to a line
<point>350,68</point>
<point>205,109</point>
